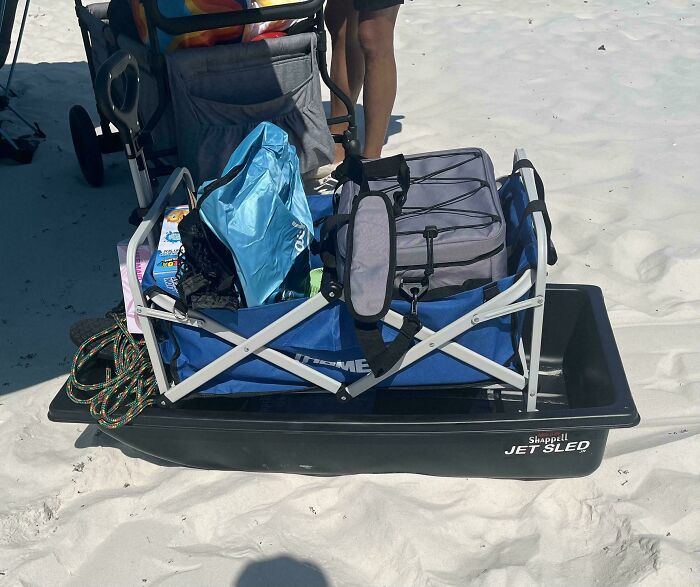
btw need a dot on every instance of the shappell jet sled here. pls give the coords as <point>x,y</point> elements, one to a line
<point>515,378</point>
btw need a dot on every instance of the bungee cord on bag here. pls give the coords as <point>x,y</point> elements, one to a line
<point>443,207</point>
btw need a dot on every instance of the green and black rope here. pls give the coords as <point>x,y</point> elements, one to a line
<point>129,383</point>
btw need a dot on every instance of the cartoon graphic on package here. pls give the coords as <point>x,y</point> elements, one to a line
<point>165,267</point>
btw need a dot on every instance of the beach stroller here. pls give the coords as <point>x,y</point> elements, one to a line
<point>197,103</point>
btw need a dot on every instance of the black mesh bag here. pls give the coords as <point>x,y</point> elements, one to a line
<point>206,272</point>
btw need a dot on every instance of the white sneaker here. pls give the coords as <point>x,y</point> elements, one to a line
<point>322,172</point>
<point>325,185</point>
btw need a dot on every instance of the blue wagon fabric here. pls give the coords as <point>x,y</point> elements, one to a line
<point>326,341</point>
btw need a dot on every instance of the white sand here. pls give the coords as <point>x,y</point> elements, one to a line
<point>616,136</point>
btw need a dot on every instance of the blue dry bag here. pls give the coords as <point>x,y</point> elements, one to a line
<point>258,209</point>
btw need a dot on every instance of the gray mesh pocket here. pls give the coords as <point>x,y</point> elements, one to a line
<point>222,93</point>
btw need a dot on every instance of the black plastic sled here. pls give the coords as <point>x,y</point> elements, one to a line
<point>465,432</point>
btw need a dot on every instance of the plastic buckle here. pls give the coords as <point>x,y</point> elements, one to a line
<point>430,232</point>
<point>414,289</point>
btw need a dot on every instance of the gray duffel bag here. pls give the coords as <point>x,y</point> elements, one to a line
<point>421,227</point>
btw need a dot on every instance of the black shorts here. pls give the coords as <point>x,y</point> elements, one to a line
<point>370,5</point>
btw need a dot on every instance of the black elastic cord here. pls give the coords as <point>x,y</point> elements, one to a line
<point>228,177</point>
<point>430,234</point>
<point>362,171</point>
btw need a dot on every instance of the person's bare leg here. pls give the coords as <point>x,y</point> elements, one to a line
<point>347,61</point>
<point>376,35</point>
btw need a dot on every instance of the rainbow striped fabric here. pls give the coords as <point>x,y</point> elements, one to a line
<point>207,38</point>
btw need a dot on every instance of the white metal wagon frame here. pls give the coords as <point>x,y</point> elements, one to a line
<point>531,283</point>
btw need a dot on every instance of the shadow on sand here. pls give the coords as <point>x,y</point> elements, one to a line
<point>281,570</point>
<point>58,262</point>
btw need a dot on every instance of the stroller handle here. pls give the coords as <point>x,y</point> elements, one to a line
<point>187,24</point>
<point>125,116</point>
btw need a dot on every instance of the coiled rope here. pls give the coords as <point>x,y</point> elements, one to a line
<point>129,383</point>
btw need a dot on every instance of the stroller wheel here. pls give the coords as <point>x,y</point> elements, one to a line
<point>86,145</point>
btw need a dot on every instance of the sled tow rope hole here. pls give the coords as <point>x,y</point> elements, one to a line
<point>129,384</point>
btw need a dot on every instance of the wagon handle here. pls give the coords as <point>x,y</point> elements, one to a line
<point>187,24</point>
<point>125,116</point>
